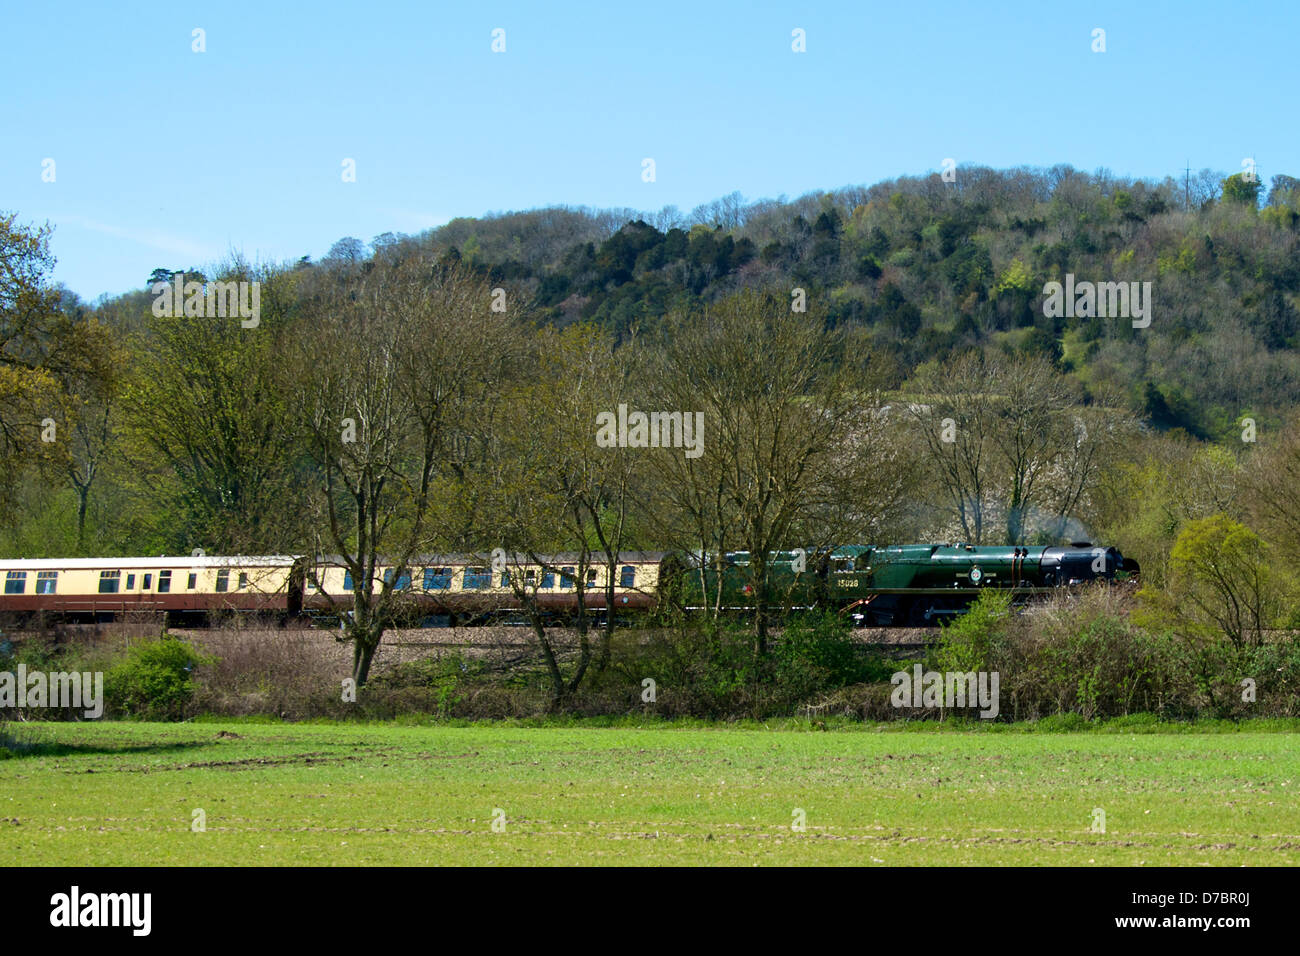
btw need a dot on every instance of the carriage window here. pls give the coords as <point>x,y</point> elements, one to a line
<point>194,581</point>
<point>347,581</point>
<point>505,579</point>
<point>109,581</point>
<point>47,582</point>
<point>130,582</point>
<point>627,576</point>
<point>403,582</point>
<point>164,582</point>
<point>243,581</point>
<point>223,580</point>
<point>548,579</point>
<point>591,577</point>
<point>476,578</point>
<point>148,581</point>
<point>16,582</point>
<point>530,577</point>
<point>566,577</point>
<point>437,579</point>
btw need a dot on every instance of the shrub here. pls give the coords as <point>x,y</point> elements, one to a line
<point>1061,724</point>
<point>1081,653</point>
<point>975,639</point>
<point>154,681</point>
<point>442,678</point>
<point>708,669</point>
<point>816,651</point>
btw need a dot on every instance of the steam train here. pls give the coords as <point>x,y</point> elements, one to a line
<point>913,585</point>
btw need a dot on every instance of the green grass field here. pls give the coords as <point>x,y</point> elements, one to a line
<point>275,794</point>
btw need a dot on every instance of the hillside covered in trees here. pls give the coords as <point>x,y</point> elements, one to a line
<point>174,433</point>
<point>932,268</point>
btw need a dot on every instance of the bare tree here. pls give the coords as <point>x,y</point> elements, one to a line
<point>394,385</point>
<point>727,213</point>
<point>955,425</point>
<point>783,404</point>
<point>557,487</point>
<point>92,435</point>
<point>1271,482</point>
<point>1008,442</point>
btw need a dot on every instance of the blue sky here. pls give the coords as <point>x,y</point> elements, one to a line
<point>167,157</point>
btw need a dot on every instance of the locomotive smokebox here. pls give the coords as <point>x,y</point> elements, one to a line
<point>1078,563</point>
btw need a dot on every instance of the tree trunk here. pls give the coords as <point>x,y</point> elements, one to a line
<point>83,495</point>
<point>584,642</point>
<point>758,578</point>
<point>366,631</point>
<point>548,655</point>
<point>363,653</point>
<point>602,660</point>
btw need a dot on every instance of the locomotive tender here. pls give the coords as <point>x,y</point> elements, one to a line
<point>900,585</point>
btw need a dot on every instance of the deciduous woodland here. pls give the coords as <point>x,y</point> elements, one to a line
<point>868,365</point>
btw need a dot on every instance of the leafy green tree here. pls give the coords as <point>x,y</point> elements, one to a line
<point>1222,584</point>
<point>1285,191</point>
<point>1146,498</point>
<point>1238,189</point>
<point>46,343</point>
<point>207,415</point>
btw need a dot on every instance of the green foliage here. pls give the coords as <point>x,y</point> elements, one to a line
<point>911,270</point>
<point>1086,657</point>
<point>898,261</point>
<point>1015,278</point>
<point>1061,723</point>
<point>1083,654</point>
<point>818,649</point>
<point>225,484</point>
<point>972,641</point>
<point>1237,189</point>
<point>155,681</point>
<point>446,678</point>
<point>1222,584</point>
<point>707,669</point>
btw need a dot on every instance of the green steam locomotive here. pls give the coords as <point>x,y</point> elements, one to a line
<point>911,585</point>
